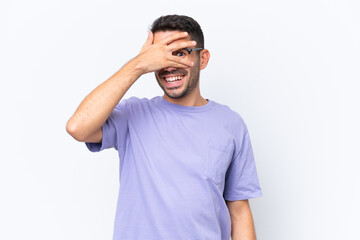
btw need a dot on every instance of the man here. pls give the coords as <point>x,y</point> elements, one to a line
<point>186,164</point>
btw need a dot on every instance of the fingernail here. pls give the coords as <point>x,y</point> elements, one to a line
<point>193,42</point>
<point>185,33</point>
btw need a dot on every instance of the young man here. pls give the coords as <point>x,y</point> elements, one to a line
<point>187,168</point>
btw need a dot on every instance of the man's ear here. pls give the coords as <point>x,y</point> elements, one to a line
<point>204,58</point>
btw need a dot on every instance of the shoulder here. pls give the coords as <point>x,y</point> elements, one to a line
<point>137,106</point>
<point>230,115</point>
<point>132,102</point>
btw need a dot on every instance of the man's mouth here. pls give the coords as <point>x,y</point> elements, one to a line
<point>173,78</point>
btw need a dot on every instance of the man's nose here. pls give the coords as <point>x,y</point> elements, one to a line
<point>169,69</point>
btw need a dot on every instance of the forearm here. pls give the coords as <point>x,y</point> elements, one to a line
<point>242,225</point>
<point>98,105</point>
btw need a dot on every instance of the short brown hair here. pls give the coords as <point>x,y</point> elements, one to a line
<point>180,23</point>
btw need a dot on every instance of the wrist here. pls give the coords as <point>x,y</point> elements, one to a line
<point>138,66</point>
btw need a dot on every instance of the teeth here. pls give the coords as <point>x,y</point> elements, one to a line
<point>172,79</point>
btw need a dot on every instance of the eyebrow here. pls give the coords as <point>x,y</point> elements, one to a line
<point>193,49</point>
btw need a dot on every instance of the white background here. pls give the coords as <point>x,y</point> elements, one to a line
<point>290,68</point>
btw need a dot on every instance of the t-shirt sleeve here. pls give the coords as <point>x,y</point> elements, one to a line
<point>241,181</point>
<point>114,129</point>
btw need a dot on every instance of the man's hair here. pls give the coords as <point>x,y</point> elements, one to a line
<point>180,23</point>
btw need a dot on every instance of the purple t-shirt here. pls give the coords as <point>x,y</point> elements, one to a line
<point>178,165</point>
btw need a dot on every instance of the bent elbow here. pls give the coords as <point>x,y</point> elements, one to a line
<point>72,129</point>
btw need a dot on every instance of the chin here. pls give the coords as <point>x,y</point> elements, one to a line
<point>177,94</point>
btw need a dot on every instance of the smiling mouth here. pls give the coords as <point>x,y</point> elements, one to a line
<point>170,79</point>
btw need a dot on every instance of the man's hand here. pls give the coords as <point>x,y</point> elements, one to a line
<point>156,56</point>
<point>86,122</point>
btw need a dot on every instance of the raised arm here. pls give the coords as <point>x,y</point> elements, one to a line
<point>85,124</point>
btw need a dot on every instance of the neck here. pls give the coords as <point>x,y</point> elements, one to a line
<point>192,100</point>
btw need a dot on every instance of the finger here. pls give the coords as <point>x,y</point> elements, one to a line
<point>180,45</point>
<point>186,62</point>
<point>149,40</point>
<point>175,36</point>
<point>177,65</point>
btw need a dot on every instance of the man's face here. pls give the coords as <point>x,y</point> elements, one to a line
<point>186,79</point>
